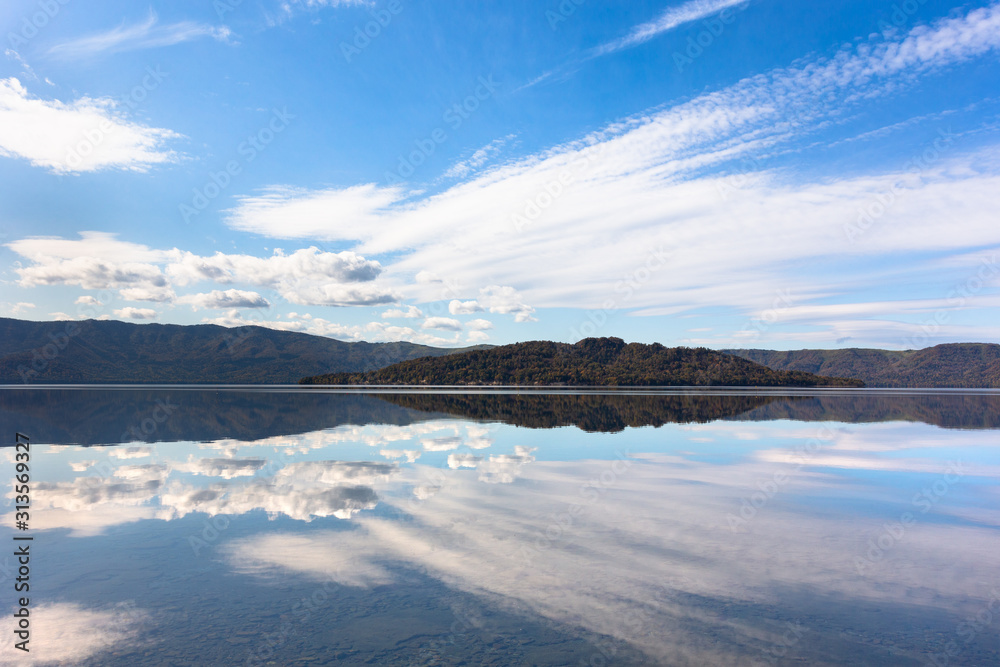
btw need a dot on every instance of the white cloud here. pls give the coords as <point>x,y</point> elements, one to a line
<point>673,17</point>
<point>293,213</point>
<point>479,325</point>
<point>410,313</point>
<point>137,452</point>
<point>456,461</point>
<point>162,294</point>
<point>376,332</point>
<point>636,224</point>
<point>306,277</point>
<point>130,313</point>
<point>232,298</point>
<point>87,300</point>
<point>288,8</point>
<point>65,633</point>
<point>84,135</point>
<point>146,35</point>
<point>477,337</point>
<point>20,307</point>
<point>477,159</point>
<point>443,323</point>
<point>99,260</point>
<point>506,301</point>
<point>457,307</point>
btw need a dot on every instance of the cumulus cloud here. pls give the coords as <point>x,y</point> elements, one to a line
<point>99,260</point>
<point>443,323</point>
<point>80,136</point>
<point>410,312</point>
<point>506,301</point>
<point>225,468</point>
<point>479,325</point>
<point>318,326</point>
<point>456,461</point>
<point>457,307</point>
<point>505,468</point>
<point>135,452</point>
<point>232,298</point>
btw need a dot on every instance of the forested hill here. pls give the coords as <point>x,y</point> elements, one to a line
<point>960,365</point>
<point>93,351</point>
<point>593,362</point>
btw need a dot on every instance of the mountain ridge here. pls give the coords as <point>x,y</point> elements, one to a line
<point>590,362</point>
<point>109,351</point>
<point>956,365</point>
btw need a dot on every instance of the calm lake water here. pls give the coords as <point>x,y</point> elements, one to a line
<point>288,527</point>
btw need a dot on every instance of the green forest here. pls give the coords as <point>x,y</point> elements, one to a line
<point>591,362</point>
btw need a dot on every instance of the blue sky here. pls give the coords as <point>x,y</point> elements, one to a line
<point>766,173</point>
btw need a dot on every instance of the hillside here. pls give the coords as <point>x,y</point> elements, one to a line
<point>591,362</point>
<point>93,351</point>
<point>960,365</point>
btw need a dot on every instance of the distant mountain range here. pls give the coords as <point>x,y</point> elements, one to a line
<point>960,365</point>
<point>591,362</point>
<point>93,351</point>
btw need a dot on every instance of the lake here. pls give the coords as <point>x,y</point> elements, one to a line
<point>283,526</point>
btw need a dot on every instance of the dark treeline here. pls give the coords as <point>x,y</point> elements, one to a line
<point>591,362</point>
<point>589,412</point>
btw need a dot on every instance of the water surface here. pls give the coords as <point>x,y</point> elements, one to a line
<point>313,527</point>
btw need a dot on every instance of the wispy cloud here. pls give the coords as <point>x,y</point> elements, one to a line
<point>543,223</point>
<point>83,135</point>
<point>672,18</point>
<point>146,35</point>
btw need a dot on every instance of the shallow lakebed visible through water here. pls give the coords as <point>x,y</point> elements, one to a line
<point>293,526</point>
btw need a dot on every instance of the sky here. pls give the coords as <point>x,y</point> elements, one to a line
<point>720,173</point>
